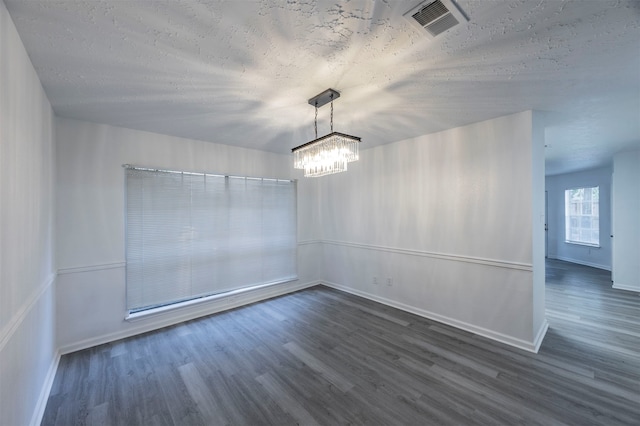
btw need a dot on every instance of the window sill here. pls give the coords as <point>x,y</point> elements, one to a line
<point>576,243</point>
<point>227,298</point>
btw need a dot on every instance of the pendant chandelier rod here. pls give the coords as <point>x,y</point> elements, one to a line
<point>315,122</point>
<point>331,114</point>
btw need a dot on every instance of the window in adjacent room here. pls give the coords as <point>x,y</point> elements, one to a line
<point>582,215</point>
<point>193,235</point>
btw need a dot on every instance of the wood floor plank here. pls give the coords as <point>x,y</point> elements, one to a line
<point>319,367</point>
<point>321,356</point>
<point>207,405</point>
<point>258,408</point>
<point>453,357</point>
<point>375,312</point>
<point>284,398</point>
<point>98,415</point>
<point>181,406</point>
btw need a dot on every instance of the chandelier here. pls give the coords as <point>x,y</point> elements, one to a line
<point>330,153</point>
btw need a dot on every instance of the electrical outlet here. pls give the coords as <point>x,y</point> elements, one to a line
<point>375,280</point>
<point>389,282</point>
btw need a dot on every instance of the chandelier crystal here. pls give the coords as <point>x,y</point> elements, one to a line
<point>330,153</point>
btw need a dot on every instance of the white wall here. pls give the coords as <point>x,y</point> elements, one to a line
<point>309,228</point>
<point>449,217</point>
<point>27,279</point>
<point>626,221</point>
<point>90,223</point>
<point>597,257</point>
<point>539,123</point>
<point>454,219</point>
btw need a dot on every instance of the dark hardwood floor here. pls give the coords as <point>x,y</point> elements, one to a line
<point>320,356</point>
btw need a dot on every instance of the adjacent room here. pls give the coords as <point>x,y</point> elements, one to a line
<point>319,212</point>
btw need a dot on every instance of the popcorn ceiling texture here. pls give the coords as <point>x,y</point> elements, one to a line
<point>240,72</point>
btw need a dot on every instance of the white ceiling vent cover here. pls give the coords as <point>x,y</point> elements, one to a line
<point>436,16</point>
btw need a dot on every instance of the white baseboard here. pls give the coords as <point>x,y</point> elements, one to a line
<point>41,405</point>
<point>490,334</point>
<point>171,318</point>
<point>626,287</point>
<point>581,262</point>
<point>537,342</point>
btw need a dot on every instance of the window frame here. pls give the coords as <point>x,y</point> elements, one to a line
<point>260,212</point>
<point>571,213</point>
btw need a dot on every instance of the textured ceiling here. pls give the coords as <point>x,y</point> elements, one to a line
<point>240,72</point>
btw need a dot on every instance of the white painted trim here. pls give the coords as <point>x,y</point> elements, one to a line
<point>204,310</point>
<point>41,404</point>
<point>537,342</point>
<point>578,243</point>
<point>581,262</point>
<point>91,268</point>
<point>625,287</point>
<point>309,242</point>
<point>227,296</point>
<point>7,331</point>
<point>436,255</point>
<point>490,334</point>
<point>122,264</point>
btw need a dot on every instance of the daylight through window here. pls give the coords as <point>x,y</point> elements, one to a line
<point>582,216</point>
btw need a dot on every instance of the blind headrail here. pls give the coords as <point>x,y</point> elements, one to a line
<point>152,169</point>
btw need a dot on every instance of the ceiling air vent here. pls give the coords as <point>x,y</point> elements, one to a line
<point>436,16</point>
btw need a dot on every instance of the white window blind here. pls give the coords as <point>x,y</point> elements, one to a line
<point>193,235</point>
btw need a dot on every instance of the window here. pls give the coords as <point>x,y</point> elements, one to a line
<point>195,235</point>
<point>582,216</point>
